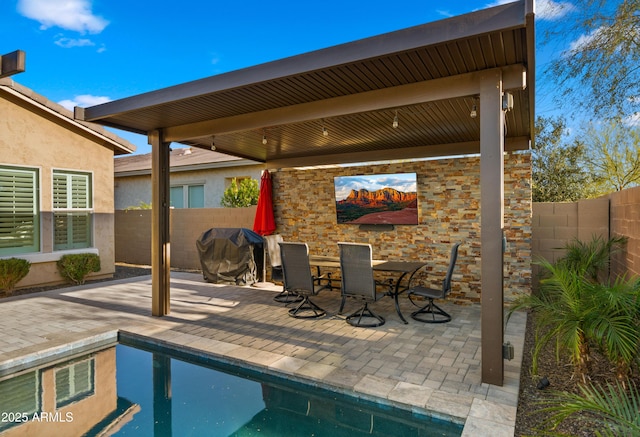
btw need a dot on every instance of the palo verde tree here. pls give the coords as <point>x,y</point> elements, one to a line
<point>614,156</point>
<point>599,72</point>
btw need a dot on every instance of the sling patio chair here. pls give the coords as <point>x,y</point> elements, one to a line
<point>273,249</point>
<point>356,266</point>
<point>432,313</point>
<point>299,280</point>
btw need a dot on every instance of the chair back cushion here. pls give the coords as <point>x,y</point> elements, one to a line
<point>356,265</point>
<point>296,268</point>
<point>273,249</point>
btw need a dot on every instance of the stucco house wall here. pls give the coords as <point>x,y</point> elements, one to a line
<point>37,133</point>
<point>197,167</point>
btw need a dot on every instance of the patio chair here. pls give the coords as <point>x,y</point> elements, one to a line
<point>356,265</point>
<point>273,250</point>
<point>432,313</point>
<point>299,280</point>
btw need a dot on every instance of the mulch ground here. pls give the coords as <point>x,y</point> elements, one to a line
<point>561,378</point>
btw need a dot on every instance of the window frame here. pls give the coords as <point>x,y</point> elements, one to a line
<point>73,210</point>
<point>35,176</point>
<point>186,200</point>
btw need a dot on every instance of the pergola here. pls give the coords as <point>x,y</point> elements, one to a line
<point>430,77</point>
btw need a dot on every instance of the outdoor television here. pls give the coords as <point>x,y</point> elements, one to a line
<point>379,199</point>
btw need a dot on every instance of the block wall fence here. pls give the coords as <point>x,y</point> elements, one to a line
<point>304,208</point>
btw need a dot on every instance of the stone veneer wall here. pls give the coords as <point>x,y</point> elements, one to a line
<point>448,208</point>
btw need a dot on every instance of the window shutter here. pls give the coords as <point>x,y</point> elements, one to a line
<point>19,215</point>
<point>72,220</point>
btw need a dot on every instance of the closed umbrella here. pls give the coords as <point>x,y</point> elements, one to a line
<point>264,223</point>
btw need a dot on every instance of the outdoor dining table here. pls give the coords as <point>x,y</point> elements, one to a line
<point>403,267</point>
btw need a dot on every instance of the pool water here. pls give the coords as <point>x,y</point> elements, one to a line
<point>134,391</point>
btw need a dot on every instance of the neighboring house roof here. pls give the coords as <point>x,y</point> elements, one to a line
<point>120,145</point>
<point>182,159</point>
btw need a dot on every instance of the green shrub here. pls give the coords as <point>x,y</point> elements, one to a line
<point>241,195</point>
<point>76,267</point>
<point>12,270</point>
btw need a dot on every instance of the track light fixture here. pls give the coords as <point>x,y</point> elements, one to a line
<point>395,120</point>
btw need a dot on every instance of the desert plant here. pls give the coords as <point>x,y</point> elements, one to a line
<point>12,270</point>
<point>592,258</point>
<point>612,410</point>
<point>76,267</point>
<point>577,311</point>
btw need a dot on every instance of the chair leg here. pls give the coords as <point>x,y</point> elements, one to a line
<point>431,308</point>
<point>355,318</point>
<point>307,310</point>
<point>286,296</point>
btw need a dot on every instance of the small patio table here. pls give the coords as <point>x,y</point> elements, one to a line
<point>403,267</point>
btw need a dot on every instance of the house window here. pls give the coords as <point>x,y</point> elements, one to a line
<point>22,397</point>
<point>74,382</point>
<point>72,210</point>
<point>187,196</point>
<point>19,210</point>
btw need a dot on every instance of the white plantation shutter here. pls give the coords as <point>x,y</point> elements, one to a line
<point>19,214</point>
<point>72,205</point>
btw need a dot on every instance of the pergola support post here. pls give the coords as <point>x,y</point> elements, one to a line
<point>492,225</point>
<point>160,247</point>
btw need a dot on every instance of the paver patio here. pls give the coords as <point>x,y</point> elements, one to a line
<point>422,367</point>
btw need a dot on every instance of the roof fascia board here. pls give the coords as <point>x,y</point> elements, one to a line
<point>503,17</point>
<point>514,77</point>
<point>454,149</point>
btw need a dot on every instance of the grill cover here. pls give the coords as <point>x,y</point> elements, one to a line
<point>230,255</point>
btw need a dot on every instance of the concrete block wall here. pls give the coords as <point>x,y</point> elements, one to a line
<point>133,232</point>
<point>625,220</point>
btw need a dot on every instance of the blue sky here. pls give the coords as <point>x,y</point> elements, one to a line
<point>85,52</point>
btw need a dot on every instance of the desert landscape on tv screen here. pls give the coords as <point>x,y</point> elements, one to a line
<point>377,199</point>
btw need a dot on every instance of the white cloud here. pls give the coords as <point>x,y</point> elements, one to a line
<point>550,10</point>
<point>73,42</point>
<point>84,100</point>
<point>544,9</point>
<point>73,15</point>
<point>583,41</point>
<point>444,13</point>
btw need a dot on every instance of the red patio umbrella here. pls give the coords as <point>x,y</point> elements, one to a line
<point>264,223</point>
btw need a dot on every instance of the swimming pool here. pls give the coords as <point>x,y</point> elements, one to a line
<point>150,391</point>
